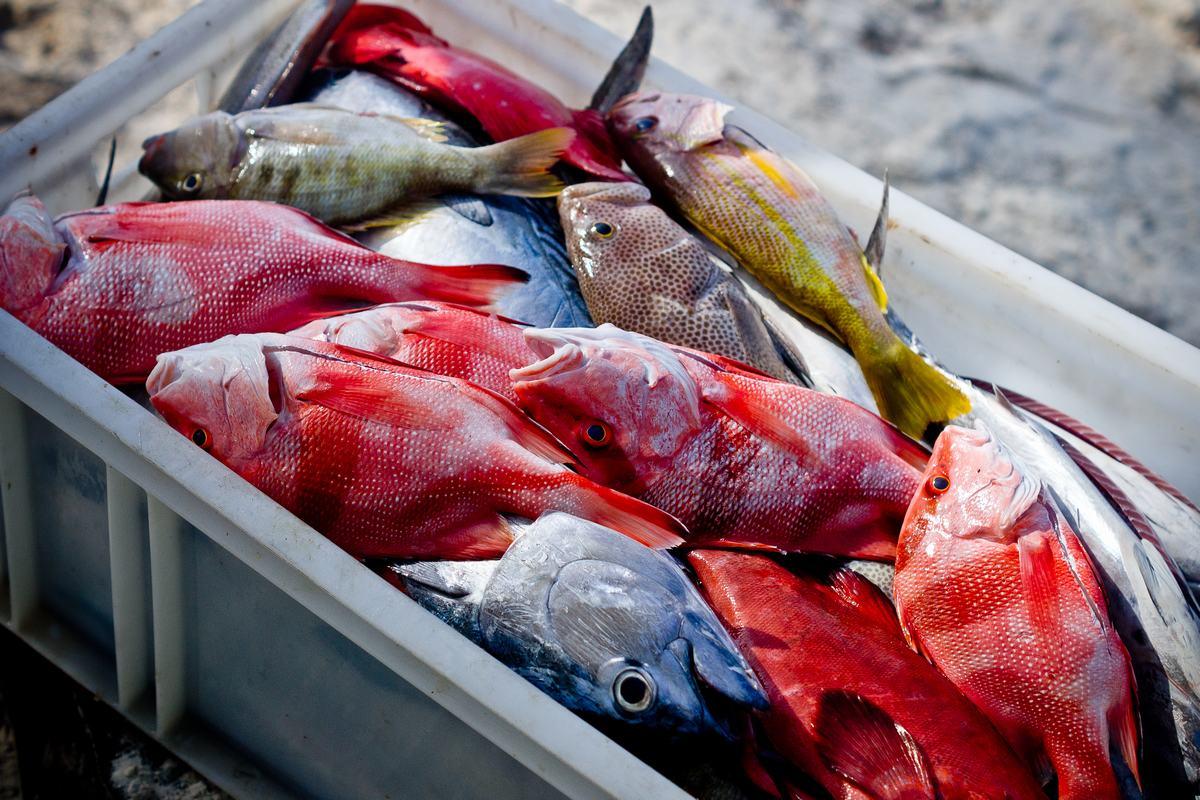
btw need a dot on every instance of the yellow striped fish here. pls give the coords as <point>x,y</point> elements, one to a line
<point>771,217</point>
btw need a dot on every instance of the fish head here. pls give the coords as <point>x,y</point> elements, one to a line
<point>974,487</point>
<point>614,629</point>
<point>609,224</point>
<point>31,254</point>
<point>655,123</point>
<point>198,160</point>
<point>622,402</point>
<point>222,395</point>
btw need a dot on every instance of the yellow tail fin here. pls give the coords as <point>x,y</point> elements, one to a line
<point>521,166</point>
<point>912,393</point>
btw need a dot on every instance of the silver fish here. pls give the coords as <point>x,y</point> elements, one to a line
<point>607,627</point>
<point>518,231</point>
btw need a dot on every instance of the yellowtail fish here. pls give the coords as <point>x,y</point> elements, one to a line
<point>771,217</point>
<point>340,166</point>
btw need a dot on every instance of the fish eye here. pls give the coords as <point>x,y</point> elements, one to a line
<point>938,484</point>
<point>633,690</point>
<point>192,183</point>
<point>645,124</point>
<point>595,433</point>
<point>202,438</point>
<point>603,230</point>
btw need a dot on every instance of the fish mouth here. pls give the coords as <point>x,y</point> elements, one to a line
<point>557,355</point>
<point>165,372</point>
<point>624,193</point>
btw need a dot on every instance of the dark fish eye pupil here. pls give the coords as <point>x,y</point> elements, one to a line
<point>602,229</point>
<point>200,437</point>
<point>595,432</point>
<point>633,691</point>
<point>939,483</point>
<point>645,124</point>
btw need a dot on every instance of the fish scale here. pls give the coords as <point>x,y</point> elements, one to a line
<point>995,588</point>
<point>812,650</point>
<point>146,278</point>
<point>738,458</point>
<point>385,460</point>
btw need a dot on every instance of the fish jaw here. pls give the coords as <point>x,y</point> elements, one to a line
<point>31,255</point>
<point>219,395</point>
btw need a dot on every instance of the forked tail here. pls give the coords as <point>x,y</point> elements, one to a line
<point>911,392</point>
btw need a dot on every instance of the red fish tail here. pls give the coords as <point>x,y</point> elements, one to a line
<point>1082,766</point>
<point>639,521</point>
<point>31,251</point>
<point>473,285</point>
<point>593,150</point>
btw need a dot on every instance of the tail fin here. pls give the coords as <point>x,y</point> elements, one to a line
<point>911,392</point>
<point>31,252</point>
<point>472,285</point>
<point>521,166</point>
<point>593,150</point>
<point>639,521</point>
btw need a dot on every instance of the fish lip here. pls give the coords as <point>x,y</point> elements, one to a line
<point>558,355</point>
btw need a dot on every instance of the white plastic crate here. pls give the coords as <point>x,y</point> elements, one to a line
<point>274,662</point>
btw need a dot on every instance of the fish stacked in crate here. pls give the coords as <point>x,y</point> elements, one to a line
<point>664,451</point>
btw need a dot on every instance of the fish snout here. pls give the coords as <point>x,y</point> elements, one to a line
<point>155,162</point>
<point>556,354</point>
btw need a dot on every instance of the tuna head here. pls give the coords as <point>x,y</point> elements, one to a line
<point>653,123</point>
<point>31,255</point>
<point>199,160</point>
<point>219,395</point>
<point>613,629</point>
<point>623,403</point>
<point>974,488</point>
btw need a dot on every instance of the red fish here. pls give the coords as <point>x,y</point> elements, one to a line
<point>140,279</point>
<point>385,460</point>
<point>740,458</point>
<point>441,337</point>
<point>993,585</point>
<point>851,706</point>
<point>398,46</point>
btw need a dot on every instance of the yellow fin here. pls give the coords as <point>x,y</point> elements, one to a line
<point>875,285</point>
<point>521,166</point>
<point>401,216</point>
<point>425,128</point>
<point>911,392</point>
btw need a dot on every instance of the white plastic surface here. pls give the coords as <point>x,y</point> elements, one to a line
<point>273,661</point>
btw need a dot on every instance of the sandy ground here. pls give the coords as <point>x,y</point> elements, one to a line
<point>1069,131</point>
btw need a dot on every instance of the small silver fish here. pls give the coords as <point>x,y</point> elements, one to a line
<point>605,626</point>
<point>340,166</point>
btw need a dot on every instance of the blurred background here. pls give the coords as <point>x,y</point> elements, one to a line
<point>1069,131</point>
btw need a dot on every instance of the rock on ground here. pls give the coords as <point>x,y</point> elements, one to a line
<point>1068,131</point>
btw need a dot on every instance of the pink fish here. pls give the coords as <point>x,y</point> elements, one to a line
<point>116,286</point>
<point>385,460</point>
<point>993,585</point>
<point>440,337</point>
<point>740,458</point>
